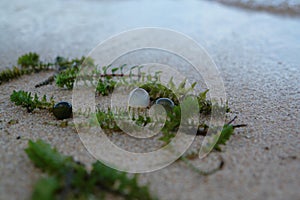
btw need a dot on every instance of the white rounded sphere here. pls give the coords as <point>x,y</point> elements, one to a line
<point>138,98</point>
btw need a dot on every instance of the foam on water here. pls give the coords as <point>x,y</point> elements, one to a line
<point>286,7</point>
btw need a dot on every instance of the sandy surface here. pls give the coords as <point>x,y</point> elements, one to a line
<point>257,54</point>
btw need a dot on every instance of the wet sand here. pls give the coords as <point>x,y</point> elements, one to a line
<point>257,54</point>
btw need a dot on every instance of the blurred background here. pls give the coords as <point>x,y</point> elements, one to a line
<point>73,28</point>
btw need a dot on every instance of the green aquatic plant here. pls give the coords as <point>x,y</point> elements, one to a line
<point>157,90</point>
<point>69,179</point>
<point>29,63</point>
<point>67,71</point>
<point>171,125</point>
<point>108,77</point>
<point>66,77</point>
<point>105,86</point>
<point>29,60</point>
<point>227,131</point>
<point>26,100</point>
<point>205,105</point>
<point>106,120</point>
<point>9,74</point>
<point>225,135</point>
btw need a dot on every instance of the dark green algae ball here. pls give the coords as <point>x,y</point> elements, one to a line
<point>62,110</point>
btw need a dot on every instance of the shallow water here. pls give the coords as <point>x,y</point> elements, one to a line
<point>285,7</point>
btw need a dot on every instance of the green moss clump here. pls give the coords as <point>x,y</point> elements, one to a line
<point>29,60</point>
<point>30,63</point>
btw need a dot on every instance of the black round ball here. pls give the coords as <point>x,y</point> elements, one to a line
<point>62,110</point>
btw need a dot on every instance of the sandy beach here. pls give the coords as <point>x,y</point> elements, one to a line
<point>257,54</point>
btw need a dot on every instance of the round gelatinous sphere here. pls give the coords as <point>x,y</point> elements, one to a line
<point>167,103</point>
<point>138,98</point>
<point>62,110</point>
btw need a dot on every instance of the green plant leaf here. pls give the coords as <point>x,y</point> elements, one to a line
<point>69,179</point>
<point>29,60</point>
<point>24,99</point>
<point>45,189</point>
<point>226,132</point>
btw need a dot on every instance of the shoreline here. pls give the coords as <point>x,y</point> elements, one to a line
<point>283,9</point>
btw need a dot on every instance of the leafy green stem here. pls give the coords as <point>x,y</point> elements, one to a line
<point>69,179</point>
